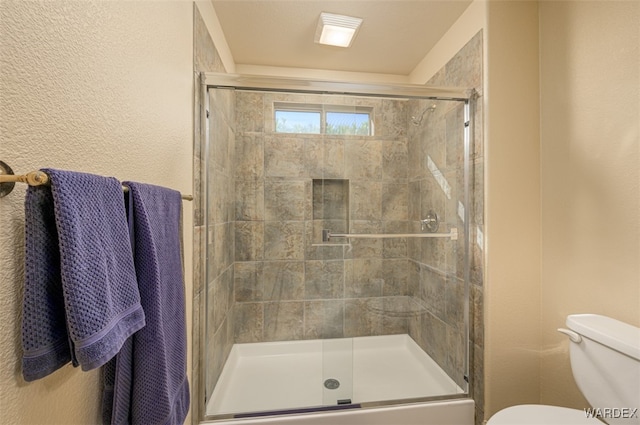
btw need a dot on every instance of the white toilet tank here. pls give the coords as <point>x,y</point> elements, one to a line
<point>606,365</point>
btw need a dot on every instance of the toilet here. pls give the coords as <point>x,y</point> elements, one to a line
<point>605,361</point>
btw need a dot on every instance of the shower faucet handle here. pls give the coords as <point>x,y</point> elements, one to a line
<point>430,223</point>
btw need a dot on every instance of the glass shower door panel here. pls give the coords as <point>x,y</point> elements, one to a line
<point>337,371</point>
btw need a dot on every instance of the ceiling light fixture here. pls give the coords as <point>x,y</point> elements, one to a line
<point>336,30</point>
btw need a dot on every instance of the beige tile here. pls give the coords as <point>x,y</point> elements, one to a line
<point>220,140</point>
<point>284,157</point>
<point>366,279</point>
<point>323,319</point>
<point>249,322</point>
<point>434,335</point>
<point>205,55</point>
<point>249,200</point>
<point>455,355</point>
<point>211,372</point>
<point>395,201</point>
<point>249,240</point>
<point>432,290</point>
<point>284,240</point>
<point>414,151</point>
<point>249,112</point>
<point>414,209</point>
<point>454,128</point>
<point>395,315</point>
<point>465,68</point>
<point>248,281</point>
<point>393,116</point>
<point>324,157</point>
<point>283,280</point>
<point>413,279</point>
<point>478,375</point>
<point>285,200</point>
<point>454,303</point>
<point>324,279</point>
<point>477,322</point>
<point>223,248</point>
<point>363,159</point>
<point>222,287</point>
<point>249,157</point>
<point>395,160</point>
<point>360,317</point>
<point>218,196</point>
<point>365,200</point>
<point>283,321</point>
<point>395,275</point>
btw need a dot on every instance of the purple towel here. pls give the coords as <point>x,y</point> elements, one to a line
<point>44,332</point>
<point>81,299</point>
<point>150,381</point>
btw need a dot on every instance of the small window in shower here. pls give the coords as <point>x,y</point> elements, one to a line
<point>355,122</point>
<point>297,118</point>
<point>322,119</point>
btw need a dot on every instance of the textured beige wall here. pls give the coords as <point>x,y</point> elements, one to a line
<point>590,161</point>
<point>100,87</point>
<point>512,206</point>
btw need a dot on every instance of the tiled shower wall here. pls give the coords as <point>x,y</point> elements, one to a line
<point>285,288</point>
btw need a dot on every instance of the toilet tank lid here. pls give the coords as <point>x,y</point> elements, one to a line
<point>613,333</point>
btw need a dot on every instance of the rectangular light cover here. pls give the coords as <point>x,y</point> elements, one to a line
<point>336,30</point>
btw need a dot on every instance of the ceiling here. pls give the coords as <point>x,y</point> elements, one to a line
<point>394,37</point>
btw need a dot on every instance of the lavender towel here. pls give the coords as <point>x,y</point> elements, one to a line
<point>81,299</point>
<point>150,380</point>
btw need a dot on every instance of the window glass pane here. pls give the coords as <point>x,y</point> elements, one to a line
<point>297,122</point>
<point>348,123</point>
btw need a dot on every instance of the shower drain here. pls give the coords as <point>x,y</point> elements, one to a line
<point>331,384</point>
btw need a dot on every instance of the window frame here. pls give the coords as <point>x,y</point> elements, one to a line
<point>323,110</point>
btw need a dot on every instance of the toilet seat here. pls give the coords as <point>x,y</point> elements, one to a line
<point>538,414</point>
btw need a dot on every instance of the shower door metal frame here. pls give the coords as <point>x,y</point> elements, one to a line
<point>288,84</point>
<point>213,80</point>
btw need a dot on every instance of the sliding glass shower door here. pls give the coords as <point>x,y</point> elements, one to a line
<point>336,249</point>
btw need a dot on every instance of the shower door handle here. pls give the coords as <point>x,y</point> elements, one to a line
<point>327,235</point>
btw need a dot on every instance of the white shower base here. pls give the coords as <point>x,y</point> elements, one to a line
<point>290,375</point>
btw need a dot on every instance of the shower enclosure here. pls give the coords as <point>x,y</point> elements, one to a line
<point>337,246</point>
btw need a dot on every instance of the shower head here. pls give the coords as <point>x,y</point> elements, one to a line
<point>418,120</point>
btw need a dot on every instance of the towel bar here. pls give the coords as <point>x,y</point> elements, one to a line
<point>35,178</point>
